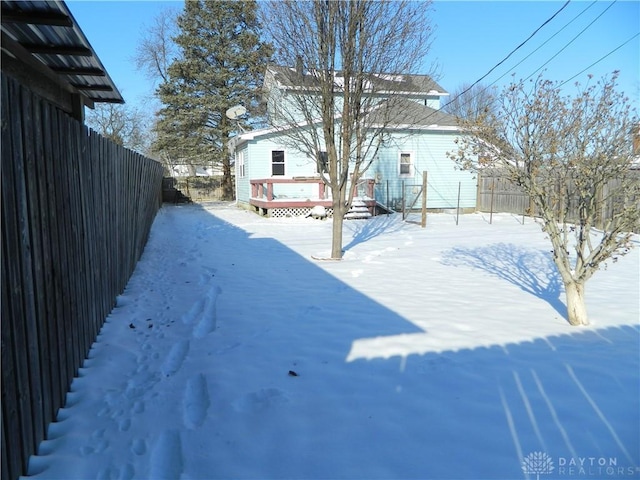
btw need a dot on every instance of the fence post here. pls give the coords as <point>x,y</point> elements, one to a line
<point>387,204</point>
<point>493,187</point>
<point>458,206</point>
<point>478,193</point>
<point>424,199</point>
<point>403,202</point>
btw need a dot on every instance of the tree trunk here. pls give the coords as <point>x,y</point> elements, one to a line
<point>576,308</point>
<point>336,239</point>
<point>227,182</point>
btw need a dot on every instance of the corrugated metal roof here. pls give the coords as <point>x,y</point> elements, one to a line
<point>48,31</point>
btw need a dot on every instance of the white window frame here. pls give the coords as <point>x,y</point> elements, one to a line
<point>411,163</point>
<point>240,166</point>
<point>283,163</point>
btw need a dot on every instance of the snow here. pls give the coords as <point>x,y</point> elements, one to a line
<point>436,353</point>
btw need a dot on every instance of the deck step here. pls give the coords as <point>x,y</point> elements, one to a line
<point>357,211</point>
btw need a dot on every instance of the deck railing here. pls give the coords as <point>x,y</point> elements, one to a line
<point>263,188</point>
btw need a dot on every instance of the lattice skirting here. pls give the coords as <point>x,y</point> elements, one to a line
<point>294,212</point>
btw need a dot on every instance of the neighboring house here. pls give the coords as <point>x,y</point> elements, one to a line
<point>183,170</point>
<point>273,178</point>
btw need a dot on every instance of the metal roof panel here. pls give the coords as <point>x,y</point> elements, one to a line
<point>47,29</point>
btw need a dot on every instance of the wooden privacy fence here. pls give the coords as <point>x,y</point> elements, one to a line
<point>76,214</point>
<point>497,193</point>
<point>202,189</point>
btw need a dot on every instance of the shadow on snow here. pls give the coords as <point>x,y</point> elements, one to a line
<point>533,271</point>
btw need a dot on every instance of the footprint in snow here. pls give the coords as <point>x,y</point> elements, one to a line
<point>208,316</point>
<point>195,401</point>
<point>126,472</point>
<point>139,446</point>
<point>176,356</point>
<point>166,457</point>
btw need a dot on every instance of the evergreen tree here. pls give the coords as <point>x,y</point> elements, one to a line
<point>221,63</point>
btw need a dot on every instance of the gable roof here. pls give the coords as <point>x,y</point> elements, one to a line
<point>289,77</point>
<point>401,114</point>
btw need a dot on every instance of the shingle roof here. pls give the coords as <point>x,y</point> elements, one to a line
<point>401,111</point>
<point>47,32</point>
<point>289,77</point>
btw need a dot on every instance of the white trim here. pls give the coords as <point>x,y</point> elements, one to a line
<point>412,161</point>
<point>240,164</point>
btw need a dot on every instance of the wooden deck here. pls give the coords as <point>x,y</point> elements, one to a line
<point>296,196</point>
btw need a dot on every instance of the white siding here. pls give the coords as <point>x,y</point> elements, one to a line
<point>257,159</point>
<point>243,191</point>
<point>429,152</point>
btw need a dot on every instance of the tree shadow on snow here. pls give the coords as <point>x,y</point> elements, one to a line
<point>531,270</point>
<point>364,230</point>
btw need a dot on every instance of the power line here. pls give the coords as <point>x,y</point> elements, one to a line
<point>599,60</point>
<point>572,40</point>
<point>512,52</point>
<point>525,58</point>
<point>544,43</point>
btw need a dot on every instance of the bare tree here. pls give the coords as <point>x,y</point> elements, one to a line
<point>470,101</point>
<point>347,54</point>
<point>121,124</point>
<point>157,49</point>
<point>573,156</point>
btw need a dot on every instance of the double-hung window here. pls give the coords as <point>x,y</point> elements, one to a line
<point>277,162</point>
<point>406,164</point>
<point>240,163</point>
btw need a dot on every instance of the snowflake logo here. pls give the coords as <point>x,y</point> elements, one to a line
<point>537,463</point>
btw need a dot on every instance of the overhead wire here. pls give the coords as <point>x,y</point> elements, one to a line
<point>571,41</point>
<point>600,59</point>
<point>544,43</point>
<point>469,100</point>
<point>512,51</point>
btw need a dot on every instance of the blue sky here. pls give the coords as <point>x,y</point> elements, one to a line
<point>471,37</point>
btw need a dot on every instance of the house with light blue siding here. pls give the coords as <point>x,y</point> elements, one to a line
<point>274,178</point>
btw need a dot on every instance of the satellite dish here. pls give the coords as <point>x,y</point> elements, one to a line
<point>234,112</point>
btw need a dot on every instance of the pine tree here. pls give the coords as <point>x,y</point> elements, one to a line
<point>221,63</point>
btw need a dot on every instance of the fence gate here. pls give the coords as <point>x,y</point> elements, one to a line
<point>421,194</point>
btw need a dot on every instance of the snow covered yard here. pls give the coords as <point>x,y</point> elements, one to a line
<point>426,353</point>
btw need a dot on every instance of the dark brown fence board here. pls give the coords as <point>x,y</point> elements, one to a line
<point>10,304</point>
<point>48,322</point>
<point>5,468</point>
<point>18,251</point>
<point>32,266</point>
<point>63,224</point>
<point>49,234</point>
<point>76,213</point>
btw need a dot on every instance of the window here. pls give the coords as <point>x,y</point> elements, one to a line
<point>240,163</point>
<point>323,162</point>
<point>405,164</point>
<point>277,162</point>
